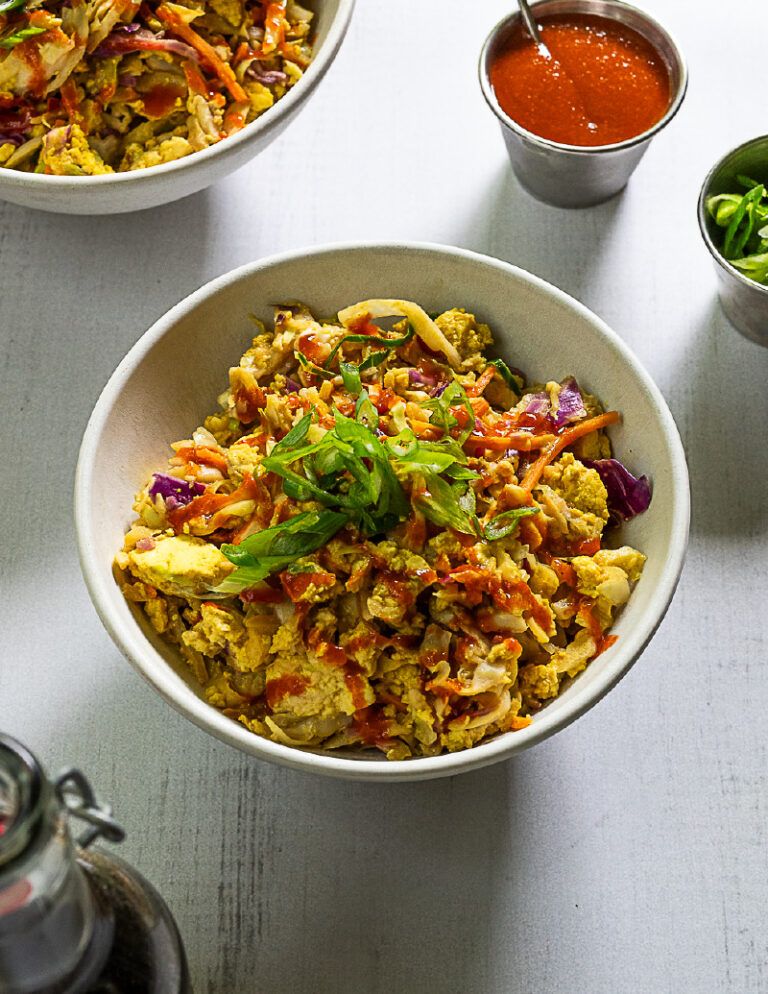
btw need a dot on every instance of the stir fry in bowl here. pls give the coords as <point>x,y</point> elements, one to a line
<point>89,87</point>
<point>386,539</point>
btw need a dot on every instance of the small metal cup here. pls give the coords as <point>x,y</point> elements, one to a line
<point>745,302</point>
<point>578,175</point>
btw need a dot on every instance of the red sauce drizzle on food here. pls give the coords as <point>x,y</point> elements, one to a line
<point>397,587</point>
<point>355,684</point>
<point>315,348</point>
<point>161,99</point>
<point>361,642</point>
<point>335,655</point>
<point>290,685</point>
<point>372,726</point>
<point>29,52</point>
<point>431,658</point>
<point>297,584</point>
<point>586,614</point>
<point>382,398</point>
<point>507,595</point>
<point>565,572</point>
<point>248,402</point>
<point>605,82</point>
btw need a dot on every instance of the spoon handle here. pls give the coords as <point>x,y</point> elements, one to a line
<point>530,25</point>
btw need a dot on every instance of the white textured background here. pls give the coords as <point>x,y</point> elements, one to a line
<point>627,854</point>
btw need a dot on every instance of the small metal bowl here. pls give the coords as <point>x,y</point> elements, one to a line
<point>744,301</point>
<point>578,175</point>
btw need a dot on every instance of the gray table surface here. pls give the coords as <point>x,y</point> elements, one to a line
<point>626,854</point>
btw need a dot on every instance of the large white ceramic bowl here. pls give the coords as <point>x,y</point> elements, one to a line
<point>171,378</point>
<point>117,193</point>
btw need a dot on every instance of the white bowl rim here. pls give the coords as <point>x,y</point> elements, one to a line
<point>134,645</point>
<point>227,146</point>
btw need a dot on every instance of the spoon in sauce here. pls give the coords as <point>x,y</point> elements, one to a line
<point>561,87</point>
<point>533,29</point>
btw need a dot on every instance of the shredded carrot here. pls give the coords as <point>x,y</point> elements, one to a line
<point>195,79</point>
<point>480,406</point>
<point>534,471</point>
<point>221,68</point>
<point>204,455</point>
<point>293,54</point>
<point>519,441</point>
<point>519,721</point>
<point>242,52</point>
<point>274,27</point>
<point>477,388</point>
<point>423,429</point>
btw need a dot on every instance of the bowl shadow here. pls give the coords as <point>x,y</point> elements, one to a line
<point>723,429</point>
<point>510,224</point>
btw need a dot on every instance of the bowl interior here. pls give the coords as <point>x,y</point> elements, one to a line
<point>170,381</point>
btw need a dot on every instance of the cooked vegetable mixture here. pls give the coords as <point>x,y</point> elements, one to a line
<point>98,86</point>
<point>385,539</point>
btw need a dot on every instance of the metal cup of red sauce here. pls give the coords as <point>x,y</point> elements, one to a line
<point>588,114</point>
<point>744,301</point>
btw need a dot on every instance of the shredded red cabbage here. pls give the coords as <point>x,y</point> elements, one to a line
<point>538,403</point>
<point>266,76</point>
<point>175,492</point>
<point>14,123</point>
<point>291,386</point>
<point>570,405</point>
<point>627,496</point>
<point>415,376</point>
<point>142,39</point>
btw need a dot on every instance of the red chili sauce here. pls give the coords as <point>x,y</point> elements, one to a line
<point>604,82</point>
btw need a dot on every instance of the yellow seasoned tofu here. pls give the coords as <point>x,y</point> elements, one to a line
<point>181,564</point>
<point>578,485</point>
<point>463,331</point>
<point>224,628</point>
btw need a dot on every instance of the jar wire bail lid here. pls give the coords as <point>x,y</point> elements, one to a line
<point>77,797</point>
<point>25,792</point>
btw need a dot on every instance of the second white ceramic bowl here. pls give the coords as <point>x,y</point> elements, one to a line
<point>117,193</point>
<point>170,380</point>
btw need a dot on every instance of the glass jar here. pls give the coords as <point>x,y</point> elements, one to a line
<point>72,920</point>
